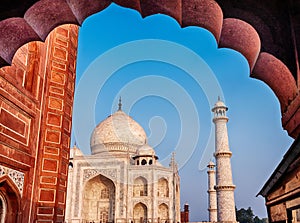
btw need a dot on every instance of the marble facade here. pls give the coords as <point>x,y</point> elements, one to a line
<point>122,181</point>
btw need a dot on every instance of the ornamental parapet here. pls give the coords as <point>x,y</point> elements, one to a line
<point>227,187</point>
<point>220,118</point>
<point>223,154</point>
<point>212,209</point>
<point>119,146</point>
<point>211,191</point>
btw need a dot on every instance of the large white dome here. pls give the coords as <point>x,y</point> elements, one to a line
<point>118,132</point>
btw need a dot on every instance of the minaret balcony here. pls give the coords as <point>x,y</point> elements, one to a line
<point>224,187</point>
<point>223,154</point>
<point>212,209</point>
<point>219,118</point>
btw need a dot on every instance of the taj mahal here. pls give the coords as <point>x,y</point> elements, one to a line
<point>122,180</point>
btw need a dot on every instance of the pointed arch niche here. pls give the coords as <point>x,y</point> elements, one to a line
<point>163,213</point>
<point>163,188</point>
<point>140,213</point>
<point>99,200</point>
<point>3,208</point>
<point>140,187</point>
<point>10,201</point>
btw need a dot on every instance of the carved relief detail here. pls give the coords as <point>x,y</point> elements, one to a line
<point>141,200</point>
<point>16,176</point>
<point>110,173</point>
<point>121,199</point>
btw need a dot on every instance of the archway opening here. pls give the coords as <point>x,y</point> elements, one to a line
<point>140,187</point>
<point>9,201</point>
<point>140,213</point>
<point>3,208</point>
<point>236,81</point>
<point>163,188</point>
<point>163,213</point>
<point>99,200</point>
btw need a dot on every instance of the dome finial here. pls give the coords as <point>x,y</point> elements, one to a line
<point>120,104</point>
<point>219,98</point>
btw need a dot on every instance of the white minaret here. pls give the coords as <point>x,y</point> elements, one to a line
<point>224,185</point>
<point>212,194</point>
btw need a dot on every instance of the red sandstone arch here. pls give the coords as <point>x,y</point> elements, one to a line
<point>11,194</point>
<point>275,74</point>
<point>236,34</point>
<point>45,159</point>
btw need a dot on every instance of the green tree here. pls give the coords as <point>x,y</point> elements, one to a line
<point>245,216</point>
<point>258,220</point>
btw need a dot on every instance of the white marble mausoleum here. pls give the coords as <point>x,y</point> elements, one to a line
<point>122,180</point>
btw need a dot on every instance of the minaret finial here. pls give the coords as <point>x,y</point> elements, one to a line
<point>219,98</point>
<point>120,104</point>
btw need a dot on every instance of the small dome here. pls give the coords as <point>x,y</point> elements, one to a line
<point>146,150</point>
<point>75,151</point>
<point>211,164</point>
<point>219,103</point>
<point>116,132</point>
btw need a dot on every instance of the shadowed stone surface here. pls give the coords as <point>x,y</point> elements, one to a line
<point>203,13</point>
<point>242,37</point>
<point>276,74</point>
<point>167,7</point>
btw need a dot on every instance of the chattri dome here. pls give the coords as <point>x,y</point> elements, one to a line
<point>219,104</point>
<point>118,132</point>
<point>145,150</point>
<point>211,164</point>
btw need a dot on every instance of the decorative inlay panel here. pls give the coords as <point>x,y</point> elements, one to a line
<point>15,125</point>
<point>90,173</point>
<point>16,176</point>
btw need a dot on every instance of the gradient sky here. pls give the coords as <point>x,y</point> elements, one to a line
<point>169,78</point>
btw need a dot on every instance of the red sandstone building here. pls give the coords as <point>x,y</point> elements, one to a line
<point>36,112</point>
<point>37,88</point>
<point>185,214</point>
<point>282,190</point>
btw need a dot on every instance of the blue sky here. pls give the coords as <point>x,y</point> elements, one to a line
<point>169,78</point>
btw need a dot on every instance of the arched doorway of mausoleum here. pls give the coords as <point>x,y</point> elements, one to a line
<point>99,200</point>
